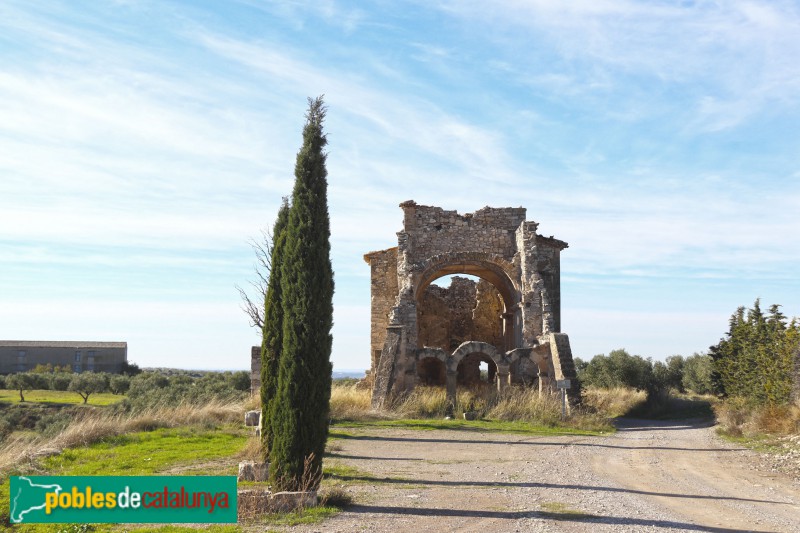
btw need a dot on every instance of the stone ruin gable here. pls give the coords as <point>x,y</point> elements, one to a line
<point>434,231</point>
<point>495,244</point>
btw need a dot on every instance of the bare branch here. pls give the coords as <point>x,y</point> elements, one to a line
<point>254,306</point>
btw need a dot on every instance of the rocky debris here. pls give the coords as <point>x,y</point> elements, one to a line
<point>785,458</point>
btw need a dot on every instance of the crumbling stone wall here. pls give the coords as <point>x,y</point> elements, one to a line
<point>383,292</point>
<point>487,321</point>
<point>518,319</point>
<point>436,231</point>
<point>466,310</point>
<point>255,370</point>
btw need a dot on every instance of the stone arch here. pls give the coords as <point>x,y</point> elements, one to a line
<point>471,347</point>
<point>491,267</point>
<point>431,366</point>
<point>435,353</point>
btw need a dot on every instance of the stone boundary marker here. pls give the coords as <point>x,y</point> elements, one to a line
<point>253,471</point>
<point>255,502</point>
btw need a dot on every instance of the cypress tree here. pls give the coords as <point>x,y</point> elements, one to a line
<point>301,405</point>
<point>272,333</point>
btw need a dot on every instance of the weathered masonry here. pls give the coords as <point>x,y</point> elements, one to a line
<point>510,320</point>
<point>21,356</point>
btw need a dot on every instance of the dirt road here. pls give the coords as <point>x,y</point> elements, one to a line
<point>649,476</point>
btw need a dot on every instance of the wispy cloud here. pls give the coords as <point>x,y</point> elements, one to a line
<point>142,144</point>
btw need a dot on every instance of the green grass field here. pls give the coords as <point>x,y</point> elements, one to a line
<point>495,426</point>
<point>54,396</point>
<point>152,452</point>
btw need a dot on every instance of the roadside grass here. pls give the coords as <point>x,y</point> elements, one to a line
<point>209,441</point>
<point>769,429</point>
<point>515,409</point>
<point>761,442</point>
<point>490,426</point>
<point>309,515</point>
<point>178,529</point>
<point>739,418</point>
<point>612,402</point>
<point>562,511</point>
<point>137,454</point>
<point>61,397</point>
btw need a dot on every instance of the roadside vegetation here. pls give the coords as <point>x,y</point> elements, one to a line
<point>180,422</point>
<point>516,407</point>
<point>171,423</point>
<point>749,381</point>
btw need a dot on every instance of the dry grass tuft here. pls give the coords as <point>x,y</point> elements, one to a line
<point>350,402</point>
<point>614,402</point>
<point>252,450</point>
<point>527,404</point>
<point>422,402</point>
<point>336,497</point>
<point>737,417</point>
<point>21,452</point>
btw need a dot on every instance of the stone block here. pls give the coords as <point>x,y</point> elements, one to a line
<point>283,502</point>
<point>253,471</point>
<point>253,503</point>
<point>252,418</point>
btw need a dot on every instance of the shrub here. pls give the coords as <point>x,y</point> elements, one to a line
<point>2,381</point>
<point>146,382</point>
<point>88,383</point>
<point>152,389</point>
<point>697,371</point>
<point>755,359</point>
<point>130,369</point>
<point>60,381</point>
<point>618,369</point>
<point>23,381</point>
<point>119,384</point>
<point>239,380</point>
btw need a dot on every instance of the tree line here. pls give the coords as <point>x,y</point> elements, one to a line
<point>757,360</point>
<point>143,388</point>
<point>621,369</point>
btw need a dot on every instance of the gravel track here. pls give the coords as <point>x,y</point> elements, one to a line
<point>649,476</point>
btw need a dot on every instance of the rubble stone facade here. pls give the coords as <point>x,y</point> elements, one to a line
<point>511,320</point>
<point>255,370</point>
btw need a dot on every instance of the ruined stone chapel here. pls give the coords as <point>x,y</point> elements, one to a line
<point>509,321</point>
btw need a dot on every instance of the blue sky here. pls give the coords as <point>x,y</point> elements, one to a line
<point>142,144</point>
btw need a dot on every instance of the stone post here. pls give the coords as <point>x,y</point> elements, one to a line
<point>503,376</point>
<point>545,384</point>
<point>451,386</point>
<point>508,331</point>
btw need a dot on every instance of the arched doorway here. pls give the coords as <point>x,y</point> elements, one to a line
<point>431,372</point>
<point>476,368</point>
<point>495,315</point>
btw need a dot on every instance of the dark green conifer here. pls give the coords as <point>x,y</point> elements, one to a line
<point>301,405</point>
<point>272,333</point>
